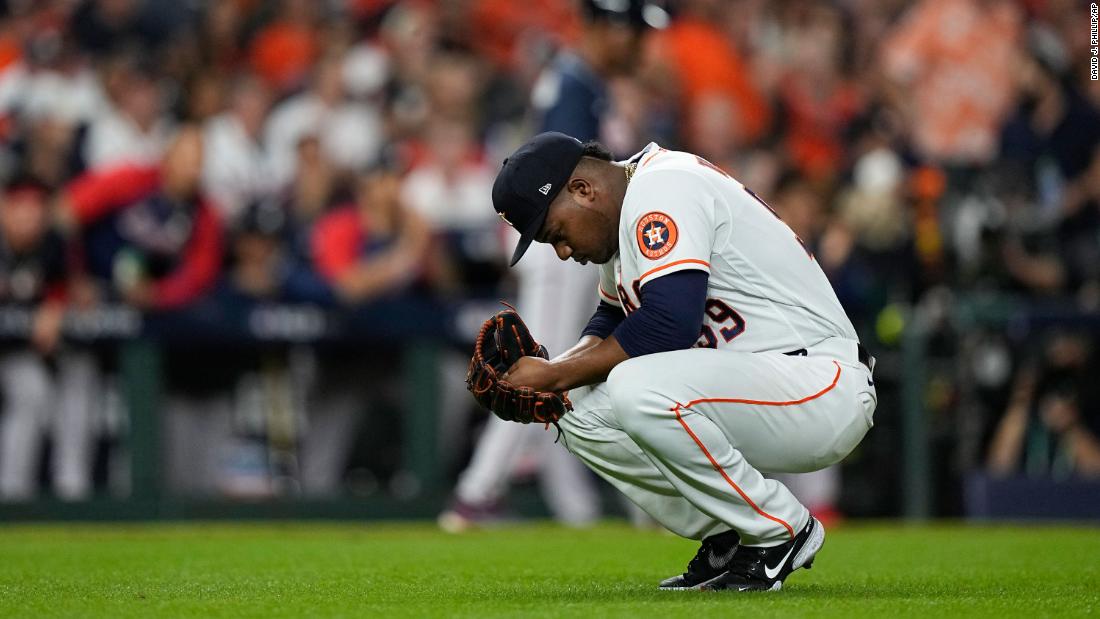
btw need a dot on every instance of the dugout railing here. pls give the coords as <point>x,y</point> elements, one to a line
<point>423,327</point>
<point>419,326</point>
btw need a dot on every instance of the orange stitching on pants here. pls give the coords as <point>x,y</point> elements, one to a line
<point>722,472</point>
<point>718,467</point>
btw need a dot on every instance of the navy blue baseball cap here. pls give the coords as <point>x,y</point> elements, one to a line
<point>529,181</point>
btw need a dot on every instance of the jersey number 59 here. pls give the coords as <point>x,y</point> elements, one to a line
<point>721,314</point>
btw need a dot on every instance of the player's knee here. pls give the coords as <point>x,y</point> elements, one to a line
<point>629,384</point>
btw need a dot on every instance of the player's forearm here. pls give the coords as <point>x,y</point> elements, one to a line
<point>586,342</point>
<point>590,365</point>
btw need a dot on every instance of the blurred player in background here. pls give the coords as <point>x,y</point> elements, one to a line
<point>570,96</point>
<point>32,277</point>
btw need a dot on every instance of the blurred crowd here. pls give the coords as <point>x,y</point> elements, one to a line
<point>156,153</point>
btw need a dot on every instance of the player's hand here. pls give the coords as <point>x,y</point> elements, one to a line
<point>534,372</point>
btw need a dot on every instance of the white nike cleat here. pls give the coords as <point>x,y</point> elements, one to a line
<point>754,568</point>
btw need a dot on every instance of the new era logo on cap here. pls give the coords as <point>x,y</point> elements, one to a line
<point>545,189</point>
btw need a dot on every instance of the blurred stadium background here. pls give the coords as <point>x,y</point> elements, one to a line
<point>245,244</point>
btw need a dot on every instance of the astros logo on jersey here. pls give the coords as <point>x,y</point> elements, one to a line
<point>656,234</point>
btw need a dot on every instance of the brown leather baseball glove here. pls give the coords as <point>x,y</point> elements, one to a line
<point>503,339</point>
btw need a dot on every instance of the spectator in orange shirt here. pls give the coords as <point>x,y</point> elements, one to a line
<point>710,73</point>
<point>951,65</point>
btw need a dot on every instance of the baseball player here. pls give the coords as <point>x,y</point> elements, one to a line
<point>43,381</point>
<point>570,96</point>
<point>718,351</point>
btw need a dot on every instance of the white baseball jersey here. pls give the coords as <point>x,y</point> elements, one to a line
<point>765,291</point>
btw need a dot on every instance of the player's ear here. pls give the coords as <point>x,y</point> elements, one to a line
<point>581,191</point>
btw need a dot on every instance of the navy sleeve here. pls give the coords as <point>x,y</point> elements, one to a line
<point>574,113</point>
<point>604,321</point>
<point>670,316</point>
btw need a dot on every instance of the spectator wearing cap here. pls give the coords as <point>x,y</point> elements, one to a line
<point>33,279</point>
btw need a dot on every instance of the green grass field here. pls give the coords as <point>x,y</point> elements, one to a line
<point>360,570</point>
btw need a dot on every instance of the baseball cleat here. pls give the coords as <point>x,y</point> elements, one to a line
<point>711,561</point>
<point>764,569</point>
<point>461,516</point>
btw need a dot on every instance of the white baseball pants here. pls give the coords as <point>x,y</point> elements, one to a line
<point>36,402</point>
<point>686,434</point>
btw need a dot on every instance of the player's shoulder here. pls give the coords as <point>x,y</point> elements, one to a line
<point>663,170</point>
<point>664,178</point>
<point>655,158</point>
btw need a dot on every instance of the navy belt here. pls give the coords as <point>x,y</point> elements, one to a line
<point>864,357</point>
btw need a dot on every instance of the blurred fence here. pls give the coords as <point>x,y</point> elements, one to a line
<point>417,327</point>
<point>940,453</point>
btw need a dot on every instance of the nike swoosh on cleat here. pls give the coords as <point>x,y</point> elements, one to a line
<point>770,573</point>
